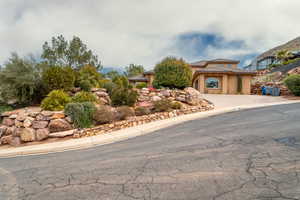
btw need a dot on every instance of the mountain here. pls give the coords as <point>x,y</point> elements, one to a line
<point>293,45</point>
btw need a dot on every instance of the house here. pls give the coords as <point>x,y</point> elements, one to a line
<point>219,76</point>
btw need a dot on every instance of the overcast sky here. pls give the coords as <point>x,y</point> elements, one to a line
<point>145,31</point>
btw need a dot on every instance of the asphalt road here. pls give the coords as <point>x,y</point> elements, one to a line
<point>252,154</point>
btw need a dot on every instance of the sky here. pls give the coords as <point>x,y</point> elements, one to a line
<point>143,32</point>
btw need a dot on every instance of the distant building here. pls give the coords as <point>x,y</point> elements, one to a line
<point>219,76</point>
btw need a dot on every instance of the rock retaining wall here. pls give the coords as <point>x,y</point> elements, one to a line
<point>32,124</point>
<point>256,88</point>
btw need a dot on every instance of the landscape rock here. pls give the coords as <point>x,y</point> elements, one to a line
<point>61,134</point>
<point>39,124</point>
<point>27,135</point>
<point>28,122</point>
<point>9,113</point>
<point>6,139</point>
<point>10,130</point>
<point>59,125</point>
<point>14,116</point>
<point>58,115</point>
<point>42,134</point>
<point>156,98</point>
<point>8,122</point>
<point>18,123</point>
<point>15,141</point>
<point>193,97</point>
<point>41,117</point>
<point>2,130</point>
<point>21,117</point>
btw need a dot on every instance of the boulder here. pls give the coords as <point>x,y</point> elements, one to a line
<point>42,134</point>
<point>58,115</point>
<point>166,93</point>
<point>9,113</point>
<point>2,130</point>
<point>58,125</point>
<point>39,124</point>
<point>17,132</point>
<point>8,122</point>
<point>156,98</point>
<point>21,117</point>
<point>18,123</point>
<point>193,96</point>
<point>27,135</point>
<point>10,130</point>
<point>15,141</point>
<point>101,94</point>
<point>41,117</point>
<point>13,116</point>
<point>6,139</point>
<point>62,134</point>
<point>47,113</point>
<point>28,122</point>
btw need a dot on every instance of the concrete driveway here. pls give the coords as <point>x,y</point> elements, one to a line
<point>245,155</point>
<point>225,101</point>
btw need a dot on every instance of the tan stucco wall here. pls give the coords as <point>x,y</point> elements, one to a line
<point>232,84</point>
<point>228,84</point>
<point>246,81</point>
<point>151,78</point>
<point>234,66</point>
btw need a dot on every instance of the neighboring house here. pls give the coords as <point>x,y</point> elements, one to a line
<point>220,76</point>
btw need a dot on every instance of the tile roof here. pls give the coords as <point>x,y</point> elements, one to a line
<point>203,63</point>
<point>219,69</point>
<point>138,78</point>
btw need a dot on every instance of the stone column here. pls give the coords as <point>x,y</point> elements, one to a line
<point>225,84</point>
<point>202,83</point>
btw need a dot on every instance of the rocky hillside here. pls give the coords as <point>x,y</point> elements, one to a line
<point>293,45</point>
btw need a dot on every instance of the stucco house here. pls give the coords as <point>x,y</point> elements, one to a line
<point>219,76</point>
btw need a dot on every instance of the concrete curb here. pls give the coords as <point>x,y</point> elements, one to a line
<point>93,141</point>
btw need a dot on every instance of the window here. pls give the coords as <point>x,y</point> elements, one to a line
<point>212,83</point>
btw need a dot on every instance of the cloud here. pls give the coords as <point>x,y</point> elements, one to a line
<point>145,31</point>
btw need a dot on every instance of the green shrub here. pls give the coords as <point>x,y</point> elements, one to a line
<point>141,85</point>
<point>84,97</point>
<point>59,78</point>
<point>123,97</point>
<point>103,115</point>
<point>292,82</point>
<point>164,105</point>
<point>172,73</point>
<point>56,100</point>
<point>85,85</point>
<point>89,74</point>
<point>109,86</point>
<point>139,111</point>
<point>123,112</point>
<point>176,105</point>
<point>21,81</point>
<point>81,113</point>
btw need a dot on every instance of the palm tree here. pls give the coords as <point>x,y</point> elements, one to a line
<point>283,55</point>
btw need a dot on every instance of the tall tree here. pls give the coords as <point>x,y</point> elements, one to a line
<point>134,70</point>
<point>72,53</point>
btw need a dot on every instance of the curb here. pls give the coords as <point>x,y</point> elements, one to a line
<point>124,134</point>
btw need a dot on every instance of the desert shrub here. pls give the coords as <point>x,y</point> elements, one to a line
<point>176,105</point>
<point>164,105</point>
<point>89,74</point>
<point>59,78</point>
<point>56,100</point>
<point>20,81</point>
<point>292,82</point>
<point>139,111</point>
<point>5,108</point>
<point>109,86</point>
<point>123,112</point>
<point>141,85</point>
<point>81,113</point>
<point>172,73</point>
<point>123,97</point>
<point>84,97</point>
<point>85,85</point>
<point>103,115</point>
<point>123,82</point>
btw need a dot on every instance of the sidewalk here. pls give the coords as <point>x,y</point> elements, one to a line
<point>224,104</point>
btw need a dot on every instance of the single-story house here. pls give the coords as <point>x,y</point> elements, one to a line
<point>219,76</point>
